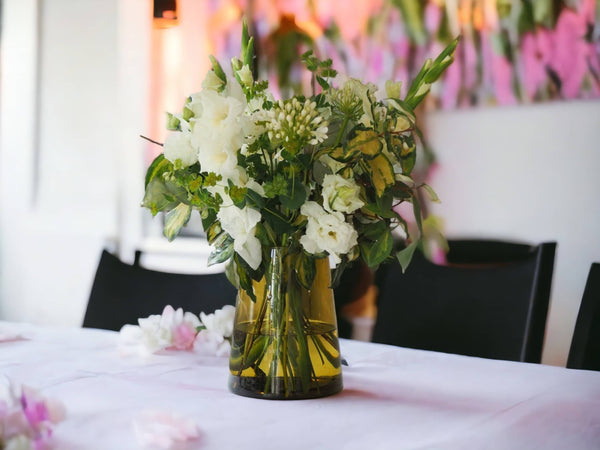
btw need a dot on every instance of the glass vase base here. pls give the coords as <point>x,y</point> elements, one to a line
<point>255,387</point>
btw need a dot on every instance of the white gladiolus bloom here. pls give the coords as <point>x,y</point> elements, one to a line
<point>178,146</point>
<point>219,127</point>
<point>240,224</point>
<point>212,81</point>
<point>245,75</point>
<point>341,194</point>
<point>327,232</point>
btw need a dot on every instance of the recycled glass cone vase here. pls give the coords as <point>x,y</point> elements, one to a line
<point>285,342</point>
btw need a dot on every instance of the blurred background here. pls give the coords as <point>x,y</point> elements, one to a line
<point>511,132</point>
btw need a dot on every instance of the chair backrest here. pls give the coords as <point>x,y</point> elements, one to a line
<point>585,345</point>
<point>475,308</point>
<point>122,293</point>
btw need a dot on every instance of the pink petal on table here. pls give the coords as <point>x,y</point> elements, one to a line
<point>164,429</point>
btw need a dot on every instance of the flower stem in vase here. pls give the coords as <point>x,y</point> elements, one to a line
<point>285,345</point>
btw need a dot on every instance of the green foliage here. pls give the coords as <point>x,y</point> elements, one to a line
<point>323,172</point>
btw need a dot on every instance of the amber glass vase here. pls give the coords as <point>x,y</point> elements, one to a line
<point>285,341</point>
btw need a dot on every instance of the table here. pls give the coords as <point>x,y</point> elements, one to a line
<point>394,398</point>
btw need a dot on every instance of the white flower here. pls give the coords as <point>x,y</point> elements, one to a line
<point>214,340</point>
<point>240,224</point>
<point>212,81</point>
<point>221,321</point>
<point>365,93</point>
<point>211,343</point>
<point>245,75</point>
<point>393,89</point>
<point>219,127</point>
<point>327,232</point>
<point>340,194</point>
<point>171,329</point>
<point>178,146</point>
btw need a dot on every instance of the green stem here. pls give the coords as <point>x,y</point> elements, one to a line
<point>341,133</point>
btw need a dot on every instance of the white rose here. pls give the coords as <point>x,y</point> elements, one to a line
<point>178,146</point>
<point>327,232</point>
<point>240,224</point>
<point>340,194</point>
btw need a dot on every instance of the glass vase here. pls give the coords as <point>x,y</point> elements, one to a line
<point>285,341</point>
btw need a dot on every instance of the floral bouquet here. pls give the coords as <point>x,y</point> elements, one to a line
<point>316,177</point>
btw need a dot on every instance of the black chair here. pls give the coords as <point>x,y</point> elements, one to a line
<point>585,345</point>
<point>476,307</point>
<point>122,293</point>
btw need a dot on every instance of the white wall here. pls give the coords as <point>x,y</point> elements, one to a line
<point>527,173</point>
<point>59,132</point>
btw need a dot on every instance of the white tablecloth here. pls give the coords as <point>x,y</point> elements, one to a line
<point>394,398</point>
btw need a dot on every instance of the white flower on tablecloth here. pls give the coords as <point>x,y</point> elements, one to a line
<point>327,232</point>
<point>211,343</point>
<point>214,339</point>
<point>341,194</point>
<point>221,321</point>
<point>164,429</point>
<point>173,329</point>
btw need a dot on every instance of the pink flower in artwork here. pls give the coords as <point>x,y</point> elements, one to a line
<point>571,52</point>
<point>497,73</point>
<point>536,55</point>
<point>433,16</point>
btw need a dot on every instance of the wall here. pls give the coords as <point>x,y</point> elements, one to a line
<point>526,173</point>
<point>58,158</point>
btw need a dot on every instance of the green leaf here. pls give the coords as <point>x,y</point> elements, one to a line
<point>209,217</point>
<point>373,231</point>
<point>322,82</point>
<point>230,273</point>
<point>296,194</point>
<point>278,223</point>
<point>176,219</point>
<point>162,196</point>
<point>375,252</point>
<point>172,122</point>
<point>254,199</point>
<point>405,255</point>
<point>213,232</point>
<point>218,69</point>
<point>418,213</point>
<point>159,166</point>
<point>338,271</point>
<point>431,193</point>
<point>245,281</point>
<point>305,269</point>
<point>408,162</point>
<point>223,250</point>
